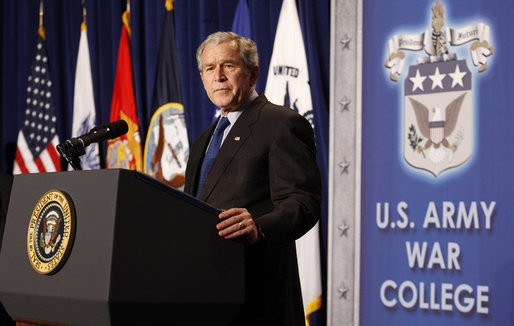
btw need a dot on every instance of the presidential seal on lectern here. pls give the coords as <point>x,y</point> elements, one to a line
<point>51,231</point>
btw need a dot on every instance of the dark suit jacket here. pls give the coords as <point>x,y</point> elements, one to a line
<point>266,164</point>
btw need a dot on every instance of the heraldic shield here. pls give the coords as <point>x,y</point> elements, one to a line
<point>438,117</point>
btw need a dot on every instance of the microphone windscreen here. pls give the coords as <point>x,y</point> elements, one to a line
<point>117,128</point>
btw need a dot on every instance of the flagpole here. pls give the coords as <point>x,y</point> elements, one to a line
<point>41,29</point>
<point>83,25</point>
<point>125,17</point>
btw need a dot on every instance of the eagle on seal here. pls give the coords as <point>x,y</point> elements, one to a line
<point>51,224</point>
<point>432,126</point>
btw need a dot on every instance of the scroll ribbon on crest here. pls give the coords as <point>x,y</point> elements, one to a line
<point>480,49</point>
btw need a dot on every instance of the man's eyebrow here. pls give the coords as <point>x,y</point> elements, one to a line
<point>220,62</point>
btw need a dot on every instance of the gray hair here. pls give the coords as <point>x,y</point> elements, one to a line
<point>247,48</point>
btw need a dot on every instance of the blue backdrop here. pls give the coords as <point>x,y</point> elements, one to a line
<point>467,274</point>
<point>195,19</point>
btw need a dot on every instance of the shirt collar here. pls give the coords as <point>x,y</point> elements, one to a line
<point>234,115</point>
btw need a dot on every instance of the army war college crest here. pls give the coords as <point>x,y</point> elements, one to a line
<point>438,92</point>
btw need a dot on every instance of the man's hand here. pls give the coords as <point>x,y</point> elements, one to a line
<point>238,223</point>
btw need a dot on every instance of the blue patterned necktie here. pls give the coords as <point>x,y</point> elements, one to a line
<point>212,151</point>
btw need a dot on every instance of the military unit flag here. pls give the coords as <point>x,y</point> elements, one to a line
<point>125,151</point>
<point>288,85</point>
<point>167,144</point>
<point>84,113</point>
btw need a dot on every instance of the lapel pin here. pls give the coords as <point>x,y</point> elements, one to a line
<point>237,138</point>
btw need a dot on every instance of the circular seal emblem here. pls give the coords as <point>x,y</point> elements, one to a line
<point>51,231</point>
<point>167,146</point>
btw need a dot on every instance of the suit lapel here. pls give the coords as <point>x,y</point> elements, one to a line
<point>235,140</point>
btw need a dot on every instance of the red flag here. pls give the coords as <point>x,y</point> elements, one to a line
<point>38,138</point>
<point>125,151</point>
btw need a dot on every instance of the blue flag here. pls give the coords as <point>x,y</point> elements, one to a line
<point>167,145</point>
<point>241,26</point>
<point>167,81</point>
<point>241,23</point>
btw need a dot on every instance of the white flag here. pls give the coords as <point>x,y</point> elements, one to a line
<point>84,114</point>
<point>288,85</point>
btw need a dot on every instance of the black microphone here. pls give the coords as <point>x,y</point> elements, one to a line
<point>74,147</point>
<point>100,133</point>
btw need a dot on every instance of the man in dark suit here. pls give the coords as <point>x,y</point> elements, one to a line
<point>264,177</point>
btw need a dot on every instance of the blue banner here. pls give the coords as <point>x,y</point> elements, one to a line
<point>437,231</point>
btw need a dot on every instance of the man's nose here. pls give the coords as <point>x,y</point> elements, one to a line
<point>219,74</point>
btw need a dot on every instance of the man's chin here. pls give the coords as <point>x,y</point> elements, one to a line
<point>225,110</point>
<point>222,103</point>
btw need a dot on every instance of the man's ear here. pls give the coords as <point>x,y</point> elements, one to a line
<point>254,73</point>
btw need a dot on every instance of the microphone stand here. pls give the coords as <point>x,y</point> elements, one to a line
<point>71,153</point>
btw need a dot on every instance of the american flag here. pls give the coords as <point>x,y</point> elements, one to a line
<point>37,137</point>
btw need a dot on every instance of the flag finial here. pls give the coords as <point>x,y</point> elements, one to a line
<point>169,5</point>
